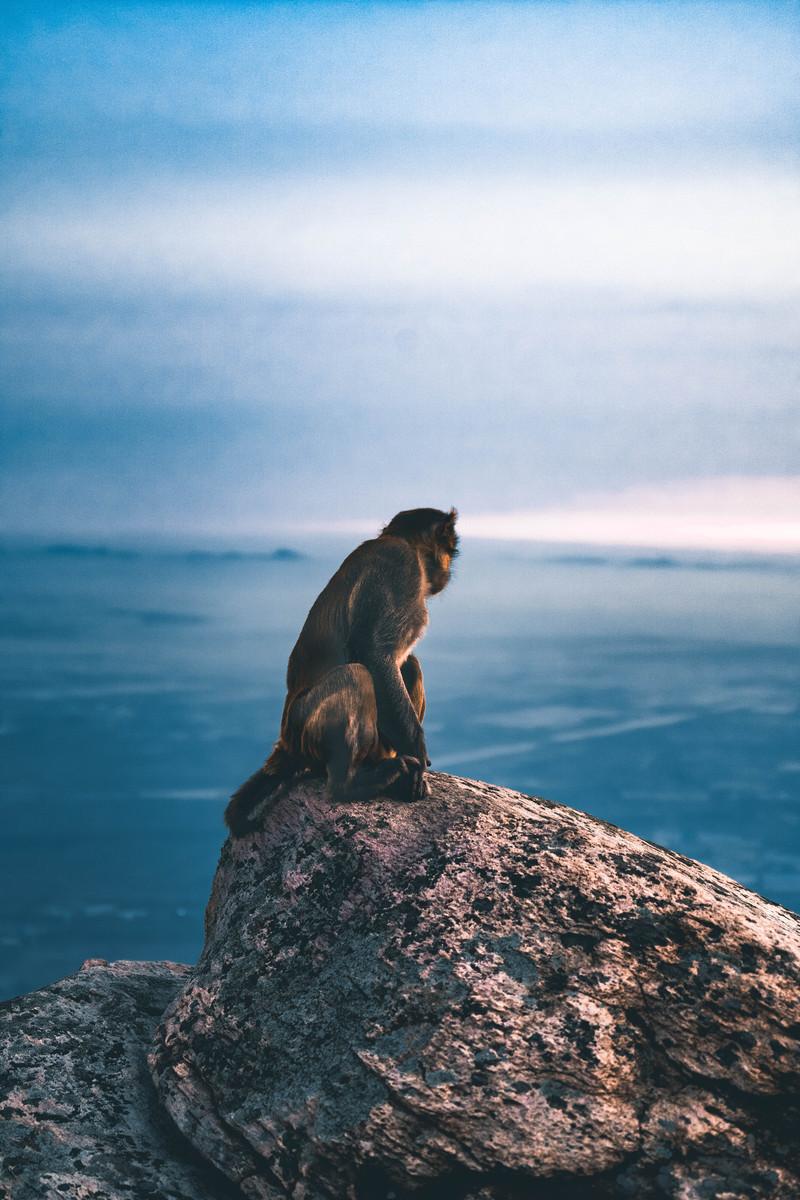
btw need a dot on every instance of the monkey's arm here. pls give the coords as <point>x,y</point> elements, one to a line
<point>387,617</point>
<point>398,723</point>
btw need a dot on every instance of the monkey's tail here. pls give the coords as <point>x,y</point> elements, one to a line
<point>279,768</point>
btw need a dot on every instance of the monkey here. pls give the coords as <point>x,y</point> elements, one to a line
<point>355,696</point>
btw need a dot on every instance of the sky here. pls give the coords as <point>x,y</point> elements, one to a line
<point>301,266</point>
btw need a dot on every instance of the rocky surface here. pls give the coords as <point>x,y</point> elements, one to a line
<point>78,1114</point>
<point>484,995</point>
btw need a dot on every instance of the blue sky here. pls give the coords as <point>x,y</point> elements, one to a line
<point>310,263</point>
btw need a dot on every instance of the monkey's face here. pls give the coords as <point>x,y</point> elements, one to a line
<point>439,575</point>
<point>434,532</point>
<point>446,535</point>
<point>445,550</point>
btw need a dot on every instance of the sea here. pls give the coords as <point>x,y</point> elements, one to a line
<point>143,681</point>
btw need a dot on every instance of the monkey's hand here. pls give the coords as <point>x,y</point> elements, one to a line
<point>418,785</point>
<point>418,762</point>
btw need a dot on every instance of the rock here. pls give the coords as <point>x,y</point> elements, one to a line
<point>78,1114</point>
<point>484,995</point>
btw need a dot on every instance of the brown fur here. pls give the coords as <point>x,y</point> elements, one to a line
<point>355,697</point>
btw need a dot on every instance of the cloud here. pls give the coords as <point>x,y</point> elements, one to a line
<point>734,513</point>
<point>250,248</point>
<point>718,236</point>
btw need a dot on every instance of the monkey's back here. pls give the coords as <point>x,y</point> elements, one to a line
<point>379,576</point>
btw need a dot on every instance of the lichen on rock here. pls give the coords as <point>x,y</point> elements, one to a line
<point>79,1118</point>
<point>484,994</point>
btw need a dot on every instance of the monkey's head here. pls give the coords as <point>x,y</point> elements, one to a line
<point>433,532</point>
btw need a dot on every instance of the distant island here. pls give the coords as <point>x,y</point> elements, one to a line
<point>77,550</point>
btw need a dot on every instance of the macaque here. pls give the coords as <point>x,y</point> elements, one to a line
<point>354,693</point>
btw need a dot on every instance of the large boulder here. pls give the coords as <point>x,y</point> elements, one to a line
<point>79,1118</point>
<point>484,995</point>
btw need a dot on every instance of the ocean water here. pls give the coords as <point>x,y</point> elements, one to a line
<point>141,684</point>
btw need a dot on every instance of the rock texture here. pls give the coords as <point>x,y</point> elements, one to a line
<point>484,995</point>
<point>78,1113</point>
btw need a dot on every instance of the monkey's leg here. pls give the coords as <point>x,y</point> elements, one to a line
<point>341,730</point>
<point>412,678</point>
<point>411,671</point>
<point>400,778</point>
